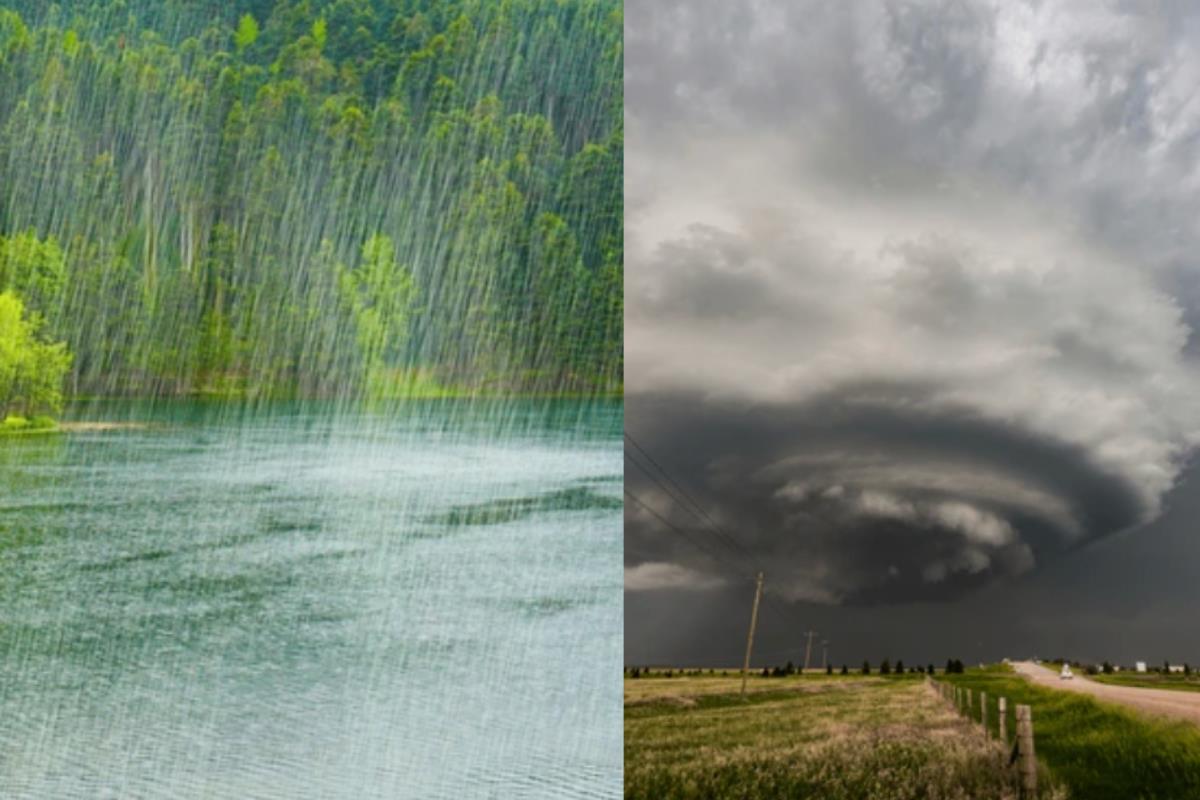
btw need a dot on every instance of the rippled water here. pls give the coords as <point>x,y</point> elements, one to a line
<point>294,604</point>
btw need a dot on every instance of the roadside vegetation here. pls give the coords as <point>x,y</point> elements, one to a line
<point>1151,680</point>
<point>1155,677</point>
<point>819,736</point>
<point>1098,751</point>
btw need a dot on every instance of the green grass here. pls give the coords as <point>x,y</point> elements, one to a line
<point>804,737</point>
<point>1099,751</point>
<point>1150,680</point>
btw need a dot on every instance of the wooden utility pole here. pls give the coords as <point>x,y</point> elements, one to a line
<point>808,649</point>
<point>750,636</point>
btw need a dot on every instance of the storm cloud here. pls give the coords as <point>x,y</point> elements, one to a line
<point>911,289</point>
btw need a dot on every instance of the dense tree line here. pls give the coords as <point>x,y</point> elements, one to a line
<point>789,669</point>
<point>322,197</point>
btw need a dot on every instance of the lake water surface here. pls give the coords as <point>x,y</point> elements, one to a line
<point>294,603</point>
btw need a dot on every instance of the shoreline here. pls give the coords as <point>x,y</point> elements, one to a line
<point>97,427</point>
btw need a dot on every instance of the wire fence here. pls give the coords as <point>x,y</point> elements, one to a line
<point>993,714</point>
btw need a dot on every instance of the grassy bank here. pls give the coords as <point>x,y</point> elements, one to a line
<point>805,737</point>
<point>1098,751</point>
<point>15,425</point>
<point>1150,680</point>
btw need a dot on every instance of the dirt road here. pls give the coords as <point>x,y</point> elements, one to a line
<point>1184,705</point>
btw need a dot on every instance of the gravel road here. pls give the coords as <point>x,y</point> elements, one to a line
<point>1180,704</point>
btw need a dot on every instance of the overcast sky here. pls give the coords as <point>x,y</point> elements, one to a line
<point>911,300</point>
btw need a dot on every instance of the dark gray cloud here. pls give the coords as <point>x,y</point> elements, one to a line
<point>911,287</point>
<point>1125,598</point>
<point>863,496</point>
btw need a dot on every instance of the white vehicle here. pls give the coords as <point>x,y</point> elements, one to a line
<point>1066,673</point>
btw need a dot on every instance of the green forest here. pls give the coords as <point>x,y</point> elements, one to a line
<point>309,198</point>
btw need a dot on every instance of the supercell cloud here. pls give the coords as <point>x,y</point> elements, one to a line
<point>910,288</point>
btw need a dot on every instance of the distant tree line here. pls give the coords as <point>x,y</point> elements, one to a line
<point>789,669</point>
<point>649,672</point>
<point>316,197</point>
<point>953,666</point>
<point>1109,668</point>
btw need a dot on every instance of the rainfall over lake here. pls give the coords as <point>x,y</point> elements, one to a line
<point>292,604</point>
<point>310,380</point>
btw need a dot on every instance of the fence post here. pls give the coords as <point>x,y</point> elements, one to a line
<point>970,703</point>
<point>983,713</point>
<point>1003,721</point>
<point>1028,759</point>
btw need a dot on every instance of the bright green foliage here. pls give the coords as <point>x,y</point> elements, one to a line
<point>378,294</point>
<point>34,269</point>
<point>199,212</point>
<point>31,370</point>
<point>247,32</point>
<point>14,35</point>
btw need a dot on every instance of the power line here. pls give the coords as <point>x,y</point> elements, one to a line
<point>696,543</point>
<point>717,536</point>
<point>720,534</point>
<point>688,502</point>
<point>770,599</point>
<point>685,500</point>
<point>692,504</point>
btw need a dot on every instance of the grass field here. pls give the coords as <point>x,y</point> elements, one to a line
<point>1151,680</point>
<point>1098,751</point>
<point>833,738</point>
